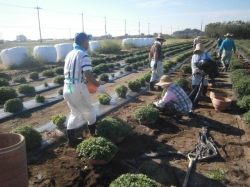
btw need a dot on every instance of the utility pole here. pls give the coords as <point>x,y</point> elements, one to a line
<point>139,29</point>
<point>171,31</point>
<point>69,34</point>
<point>161,29</point>
<point>105,29</point>
<point>82,24</point>
<point>39,22</point>
<point>148,28</point>
<point>125,27</point>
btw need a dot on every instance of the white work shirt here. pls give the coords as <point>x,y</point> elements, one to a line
<point>197,78</point>
<point>76,62</point>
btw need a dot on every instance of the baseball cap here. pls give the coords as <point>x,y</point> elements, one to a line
<point>81,37</point>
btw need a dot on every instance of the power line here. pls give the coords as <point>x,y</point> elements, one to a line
<point>15,6</point>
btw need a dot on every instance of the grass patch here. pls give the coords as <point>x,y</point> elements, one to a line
<point>217,174</point>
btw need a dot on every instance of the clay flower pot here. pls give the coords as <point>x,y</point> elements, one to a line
<point>217,93</point>
<point>221,103</point>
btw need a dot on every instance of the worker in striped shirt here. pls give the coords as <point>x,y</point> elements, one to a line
<point>77,72</point>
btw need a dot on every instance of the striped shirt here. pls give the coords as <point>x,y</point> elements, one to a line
<point>76,62</point>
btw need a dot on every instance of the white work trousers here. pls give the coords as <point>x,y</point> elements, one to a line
<point>157,72</point>
<point>80,104</point>
<point>226,57</point>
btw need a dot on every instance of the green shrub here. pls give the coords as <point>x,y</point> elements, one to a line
<point>33,138</point>
<point>45,84</point>
<point>117,64</point>
<point>142,81</point>
<point>139,64</point>
<point>146,113</point>
<point>107,59</point>
<point>13,105</point>
<point>39,98</point>
<point>111,65</point>
<point>95,61</point>
<point>113,128</point>
<point>97,148</point>
<point>33,76</point>
<point>128,68</point>
<point>7,92</point>
<point>59,120</point>
<point>25,89</point>
<point>238,74</point>
<point>236,65</point>
<point>135,180</point>
<point>5,76</point>
<point>186,68</point>
<point>48,73</point>
<point>60,91</point>
<point>134,86</point>
<point>246,118</point>
<point>128,46</point>
<point>59,70</point>
<point>121,91</point>
<point>121,72</point>
<point>182,82</point>
<point>19,80</point>
<point>104,77</point>
<point>4,82</point>
<point>134,66</point>
<point>104,67</point>
<point>109,47</point>
<point>147,76</point>
<point>96,69</point>
<point>242,86</point>
<point>59,79</point>
<point>244,102</point>
<point>104,99</point>
<point>217,174</point>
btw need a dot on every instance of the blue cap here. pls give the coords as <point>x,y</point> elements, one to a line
<point>81,37</point>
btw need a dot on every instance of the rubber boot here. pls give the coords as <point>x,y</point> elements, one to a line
<point>92,129</point>
<point>152,84</point>
<point>160,88</point>
<point>72,140</point>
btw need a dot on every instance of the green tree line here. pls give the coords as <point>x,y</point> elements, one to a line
<point>239,29</point>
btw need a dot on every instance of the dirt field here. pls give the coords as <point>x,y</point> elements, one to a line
<point>61,166</point>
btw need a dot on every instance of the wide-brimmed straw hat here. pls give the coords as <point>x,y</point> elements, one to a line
<point>199,49</point>
<point>160,36</point>
<point>165,80</point>
<point>228,35</point>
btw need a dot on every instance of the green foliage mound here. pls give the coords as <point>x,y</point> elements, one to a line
<point>97,148</point>
<point>133,180</point>
<point>19,80</point>
<point>182,82</point>
<point>33,76</point>
<point>59,79</point>
<point>134,86</point>
<point>4,82</point>
<point>104,99</point>
<point>25,89</point>
<point>39,98</point>
<point>121,91</point>
<point>146,113</point>
<point>7,93</point>
<point>33,138</point>
<point>13,105</point>
<point>113,128</point>
<point>59,120</point>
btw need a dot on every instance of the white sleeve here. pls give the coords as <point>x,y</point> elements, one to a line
<point>85,62</point>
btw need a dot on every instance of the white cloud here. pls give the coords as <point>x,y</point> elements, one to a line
<point>157,3</point>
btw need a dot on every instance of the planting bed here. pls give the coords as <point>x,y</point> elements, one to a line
<point>61,166</point>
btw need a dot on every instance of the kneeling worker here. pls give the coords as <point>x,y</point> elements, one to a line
<point>175,101</point>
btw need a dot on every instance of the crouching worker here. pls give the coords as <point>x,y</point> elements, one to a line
<point>175,101</point>
<point>77,72</point>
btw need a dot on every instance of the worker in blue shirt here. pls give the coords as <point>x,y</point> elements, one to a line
<point>226,50</point>
<point>219,41</point>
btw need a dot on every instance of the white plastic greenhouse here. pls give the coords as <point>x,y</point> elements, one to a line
<point>94,45</point>
<point>62,50</point>
<point>46,53</point>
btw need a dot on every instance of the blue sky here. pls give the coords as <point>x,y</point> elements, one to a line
<point>62,19</point>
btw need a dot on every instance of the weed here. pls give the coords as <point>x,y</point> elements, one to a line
<point>217,174</point>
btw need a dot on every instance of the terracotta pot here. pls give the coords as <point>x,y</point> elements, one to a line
<point>217,93</point>
<point>221,103</point>
<point>13,161</point>
<point>99,162</point>
<point>147,122</point>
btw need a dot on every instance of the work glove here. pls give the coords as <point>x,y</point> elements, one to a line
<point>158,104</point>
<point>101,89</point>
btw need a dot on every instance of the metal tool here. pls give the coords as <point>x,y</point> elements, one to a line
<point>108,95</point>
<point>192,159</point>
<point>137,161</point>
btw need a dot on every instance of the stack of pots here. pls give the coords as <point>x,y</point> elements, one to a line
<point>220,100</point>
